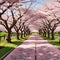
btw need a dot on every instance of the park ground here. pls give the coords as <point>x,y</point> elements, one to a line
<point>41,49</point>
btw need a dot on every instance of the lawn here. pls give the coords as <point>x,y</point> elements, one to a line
<point>3,33</point>
<point>7,47</point>
<point>55,41</point>
<point>34,33</point>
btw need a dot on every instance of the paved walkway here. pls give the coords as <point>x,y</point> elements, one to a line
<point>35,48</point>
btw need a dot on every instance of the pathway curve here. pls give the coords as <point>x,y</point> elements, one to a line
<point>35,48</point>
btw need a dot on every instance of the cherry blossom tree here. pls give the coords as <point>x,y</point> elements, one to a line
<point>7,23</point>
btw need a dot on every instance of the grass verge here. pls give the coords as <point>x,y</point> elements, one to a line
<point>10,46</point>
<point>54,42</point>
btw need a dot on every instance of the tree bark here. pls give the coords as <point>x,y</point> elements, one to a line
<point>21,34</point>
<point>48,34</point>
<point>28,31</point>
<point>44,34</point>
<point>9,36</point>
<point>24,34</point>
<point>52,34</point>
<point>18,35</point>
<point>39,31</point>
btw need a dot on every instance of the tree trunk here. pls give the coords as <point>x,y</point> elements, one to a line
<point>24,34</point>
<point>24,31</point>
<point>21,34</point>
<point>39,31</point>
<point>48,34</point>
<point>18,35</point>
<point>44,34</point>
<point>28,32</point>
<point>9,36</point>
<point>52,34</point>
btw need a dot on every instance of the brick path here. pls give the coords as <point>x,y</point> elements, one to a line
<point>35,48</point>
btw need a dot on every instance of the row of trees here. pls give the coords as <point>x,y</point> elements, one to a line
<point>14,15</point>
<point>49,27</point>
<point>52,21</point>
<point>11,14</point>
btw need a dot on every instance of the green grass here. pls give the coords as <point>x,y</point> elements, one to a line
<point>54,42</point>
<point>9,46</point>
<point>35,33</point>
<point>2,33</point>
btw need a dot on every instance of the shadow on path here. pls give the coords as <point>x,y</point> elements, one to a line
<point>35,48</point>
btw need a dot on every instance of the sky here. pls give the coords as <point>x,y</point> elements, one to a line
<point>36,4</point>
<point>39,3</point>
